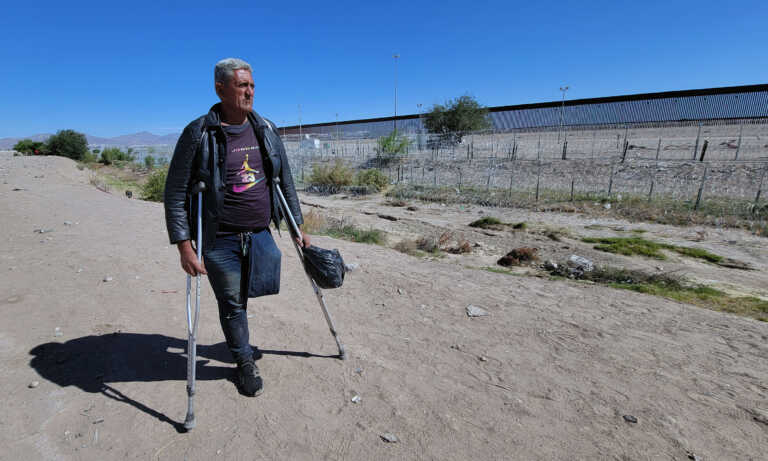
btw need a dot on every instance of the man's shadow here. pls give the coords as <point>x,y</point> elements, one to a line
<point>91,363</point>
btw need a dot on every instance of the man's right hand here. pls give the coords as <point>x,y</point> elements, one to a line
<point>189,261</point>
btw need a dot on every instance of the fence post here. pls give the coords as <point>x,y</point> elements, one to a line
<point>650,192</point>
<point>514,145</point>
<point>624,153</point>
<point>459,171</point>
<point>538,180</point>
<point>704,150</point>
<point>572,188</point>
<point>434,168</point>
<point>610,182</point>
<point>738,145</point>
<point>759,189</point>
<point>565,148</point>
<point>626,132</point>
<point>701,188</point>
<point>696,147</point>
<point>594,135</point>
<point>509,193</point>
<point>539,149</point>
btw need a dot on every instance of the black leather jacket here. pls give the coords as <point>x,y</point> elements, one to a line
<point>200,155</point>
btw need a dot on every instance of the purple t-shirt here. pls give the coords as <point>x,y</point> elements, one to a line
<point>247,203</point>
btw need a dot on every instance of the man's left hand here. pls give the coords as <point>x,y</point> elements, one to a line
<point>304,240</point>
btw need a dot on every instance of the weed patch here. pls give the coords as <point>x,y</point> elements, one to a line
<point>630,246</point>
<point>675,287</point>
<point>487,222</point>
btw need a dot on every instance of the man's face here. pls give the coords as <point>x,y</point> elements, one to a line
<point>237,92</point>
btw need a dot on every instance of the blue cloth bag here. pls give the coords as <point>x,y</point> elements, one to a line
<point>263,264</point>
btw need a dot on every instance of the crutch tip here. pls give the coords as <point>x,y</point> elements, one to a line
<point>342,354</point>
<point>189,423</point>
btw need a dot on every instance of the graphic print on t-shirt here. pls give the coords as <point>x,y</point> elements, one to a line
<point>247,204</point>
<point>247,175</point>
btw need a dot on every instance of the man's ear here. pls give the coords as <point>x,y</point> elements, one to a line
<point>217,87</point>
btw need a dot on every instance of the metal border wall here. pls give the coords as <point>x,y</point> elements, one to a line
<point>737,102</point>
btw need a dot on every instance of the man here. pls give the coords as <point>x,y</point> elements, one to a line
<point>240,157</point>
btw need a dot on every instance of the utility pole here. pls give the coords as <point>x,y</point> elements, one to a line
<point>562,109</point>
<point>299,128</point>
<point>395,120</point>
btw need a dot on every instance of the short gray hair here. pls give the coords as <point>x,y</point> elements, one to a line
<point>226,68</point>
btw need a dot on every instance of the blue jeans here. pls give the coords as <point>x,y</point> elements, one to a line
<point>225,265</point>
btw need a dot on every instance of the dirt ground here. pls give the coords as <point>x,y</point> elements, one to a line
<point>93,331</point>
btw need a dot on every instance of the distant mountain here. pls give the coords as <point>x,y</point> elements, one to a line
<point>143,138</point>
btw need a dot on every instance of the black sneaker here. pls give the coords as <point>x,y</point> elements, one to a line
<point>248,379</point>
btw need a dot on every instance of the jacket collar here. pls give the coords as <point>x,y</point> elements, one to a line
<point>213,118</point>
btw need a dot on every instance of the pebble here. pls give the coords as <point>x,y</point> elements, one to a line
<point>359,371</point>
<point>57,332</point>
<point>79,270</point>
<point>400,291</point>
<point>630,419</point>
<point>33,384</point>
<point>67,223</point>
<point>607,206</point>
<point>482,358</point>
<point>356,398</point>
<point>43,231</point>
<point>107,279</point>
<point>474,311</point>
<point>389,438</point>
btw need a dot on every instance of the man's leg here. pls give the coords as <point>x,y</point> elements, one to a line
<point>224,265</point>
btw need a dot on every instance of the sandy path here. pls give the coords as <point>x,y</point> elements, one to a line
<point>548,375</point>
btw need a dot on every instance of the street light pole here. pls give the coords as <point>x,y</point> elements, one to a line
<point>299,128</point>
<point>420,136</point>
<point>395,120</point>
<point>562,109</point>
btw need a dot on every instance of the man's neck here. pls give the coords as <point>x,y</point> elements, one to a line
<point>233,117</point>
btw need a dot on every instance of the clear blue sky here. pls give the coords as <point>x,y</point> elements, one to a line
<point>112,68</point>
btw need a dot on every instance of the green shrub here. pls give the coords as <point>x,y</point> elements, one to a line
<point>29,147</point>
<point>372,178</point>
<point>391,148</point>
<point>487,222</point>
<point>67,143</point>
<point>154,189</point>
<point>336,175</point>
<point>111,155</point>
<point>149,162</point>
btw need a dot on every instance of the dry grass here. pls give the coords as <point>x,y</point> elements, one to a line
<point>519,256</point>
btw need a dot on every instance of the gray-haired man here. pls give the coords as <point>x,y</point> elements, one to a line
<point>240,157</point>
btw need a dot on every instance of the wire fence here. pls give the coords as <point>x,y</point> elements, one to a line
<point>714,168</point>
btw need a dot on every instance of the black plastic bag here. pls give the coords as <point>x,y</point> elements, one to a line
<point>326,267</point>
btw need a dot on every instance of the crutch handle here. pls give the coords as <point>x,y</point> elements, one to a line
<point>199,187</point>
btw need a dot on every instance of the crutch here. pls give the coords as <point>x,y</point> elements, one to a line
<point>294,230</point>
<point>189,421</point>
